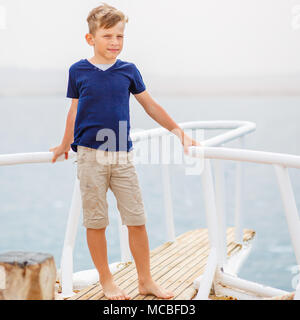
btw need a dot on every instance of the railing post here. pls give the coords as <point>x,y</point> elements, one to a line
<point>70,236</point>
<point>215,259</point>
<point>220,206</point>
<point>210,209</point>
<point>290,207</point>
<point>169,219</point>
<point>165,162</point>
<point>124,242</point>
<point>239,184</point>
<point>208,276</point>
<point>297,293</point>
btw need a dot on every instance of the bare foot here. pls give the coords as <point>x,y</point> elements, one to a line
<point>151,287</point>
<point>113,292</point>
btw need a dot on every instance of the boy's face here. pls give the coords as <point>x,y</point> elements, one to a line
<point>108,43</point>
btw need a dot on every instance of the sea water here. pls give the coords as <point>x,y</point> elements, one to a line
<point>35,198</point>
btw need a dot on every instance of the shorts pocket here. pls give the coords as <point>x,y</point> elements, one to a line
<point>85,155</point>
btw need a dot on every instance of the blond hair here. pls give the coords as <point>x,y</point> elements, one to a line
<point>104,16</point>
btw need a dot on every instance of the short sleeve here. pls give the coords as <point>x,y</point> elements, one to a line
<point>72,91</point>
<point>137,84</point>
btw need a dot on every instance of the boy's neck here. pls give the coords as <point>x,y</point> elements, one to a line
<point>101,60</point>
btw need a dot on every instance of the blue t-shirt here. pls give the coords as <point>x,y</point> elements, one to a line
<point>103,119</point>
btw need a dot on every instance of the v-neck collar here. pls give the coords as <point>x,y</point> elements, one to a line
<point>96,68</point>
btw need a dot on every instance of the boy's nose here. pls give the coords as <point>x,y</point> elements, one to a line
<point>114,40</point>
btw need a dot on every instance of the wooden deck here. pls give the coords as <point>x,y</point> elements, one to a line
<point>173,265</point>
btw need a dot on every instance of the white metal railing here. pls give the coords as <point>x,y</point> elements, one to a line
<point>214,197</point>
<point>281,163</point>
<point>238,129</point>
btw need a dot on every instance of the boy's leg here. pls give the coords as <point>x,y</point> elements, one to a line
<point>94,180</point>
<point>98,249</point>
<point>125,186</point>
<point>139,246</point>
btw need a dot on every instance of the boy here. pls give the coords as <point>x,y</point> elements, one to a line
<point>100,88</point>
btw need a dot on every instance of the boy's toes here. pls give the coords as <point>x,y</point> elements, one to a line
<point>167,294</point>
<point>125,295</point>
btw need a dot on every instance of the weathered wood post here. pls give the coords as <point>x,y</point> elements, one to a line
<point>27,276</point>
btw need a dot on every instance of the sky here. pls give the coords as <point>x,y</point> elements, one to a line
<point>200,38</point>
<point>210,37</point>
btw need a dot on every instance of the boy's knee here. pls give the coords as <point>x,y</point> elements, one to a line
<point>139,227</point>
<point>95,229</point>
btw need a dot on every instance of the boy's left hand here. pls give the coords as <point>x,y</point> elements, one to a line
<point>187,142</point>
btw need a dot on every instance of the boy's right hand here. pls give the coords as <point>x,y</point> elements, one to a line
<point>58,151</point>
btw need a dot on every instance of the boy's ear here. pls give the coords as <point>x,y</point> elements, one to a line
<point>89,39</point>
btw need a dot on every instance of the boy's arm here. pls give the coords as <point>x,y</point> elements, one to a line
<point>158,113</point>
<point>68,138</point>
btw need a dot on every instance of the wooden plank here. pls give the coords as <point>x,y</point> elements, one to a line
<point>179,290</point>
<point>169,266</point>
<point>199,269</point>
<point>118,274</point>
<point>97,292</point>
<point>184,277</point>
<point>189,288</point>
<point>194,273</point>
<point>189,292</point>
<point>155,264</point>
<point>129,272</point>
<point>97,295</point>
<point>174,265</point>
<point>178,273</point>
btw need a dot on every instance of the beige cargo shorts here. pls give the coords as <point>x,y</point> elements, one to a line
<point>98,170</point>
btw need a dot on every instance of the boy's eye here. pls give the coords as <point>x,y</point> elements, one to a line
<point>109,36</point>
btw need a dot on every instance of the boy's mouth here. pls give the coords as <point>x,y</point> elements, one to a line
<point>113,50</point>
